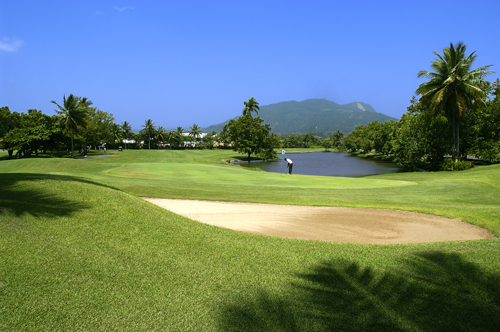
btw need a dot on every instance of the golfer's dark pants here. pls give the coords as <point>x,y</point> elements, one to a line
<point>290,166</point>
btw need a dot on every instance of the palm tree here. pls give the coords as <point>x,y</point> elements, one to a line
<point>170,138</point>
<point>251,106</point>
<point>115,130</point>
<point>179,137</point>
<point>73,114</point>
<point>160,132</point>
<point>149,129</point>
<point>453,87</point>
<point>126,129</point>
<point>195,132</point>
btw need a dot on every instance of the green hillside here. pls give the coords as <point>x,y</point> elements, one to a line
<point>318,116</point>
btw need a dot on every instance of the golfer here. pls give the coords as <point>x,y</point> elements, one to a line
<point>289,165</point>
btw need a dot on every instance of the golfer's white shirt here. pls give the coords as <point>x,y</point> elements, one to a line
<point>289,161</point>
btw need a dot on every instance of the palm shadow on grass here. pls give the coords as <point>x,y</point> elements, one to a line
<point>431,292</point>
<point>21,200</point>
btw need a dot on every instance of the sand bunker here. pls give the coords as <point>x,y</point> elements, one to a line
<point>334,224</point>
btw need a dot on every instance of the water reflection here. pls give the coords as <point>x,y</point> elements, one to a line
<point>326,164</point>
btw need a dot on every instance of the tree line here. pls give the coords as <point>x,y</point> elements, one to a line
<point>78,125</point>
<point>456,118</point>
<point>457,115</point>
<point>422,139</point>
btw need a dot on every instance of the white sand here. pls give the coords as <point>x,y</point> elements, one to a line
<point>335,224</point>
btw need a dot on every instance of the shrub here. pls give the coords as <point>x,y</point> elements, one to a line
<point>457,165</point>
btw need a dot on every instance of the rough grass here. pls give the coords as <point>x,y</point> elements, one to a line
<point>79,252</point>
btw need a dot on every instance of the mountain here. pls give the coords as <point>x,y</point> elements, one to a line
<point>318,116</point>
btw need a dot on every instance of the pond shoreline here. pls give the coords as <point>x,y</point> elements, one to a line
<point>325,163</point>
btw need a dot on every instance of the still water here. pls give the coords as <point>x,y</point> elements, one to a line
<point>326,164</point>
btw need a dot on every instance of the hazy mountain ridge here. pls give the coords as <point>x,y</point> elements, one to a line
<point>319,116</point>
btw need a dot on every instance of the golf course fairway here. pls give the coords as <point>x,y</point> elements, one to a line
<point>80,250</point>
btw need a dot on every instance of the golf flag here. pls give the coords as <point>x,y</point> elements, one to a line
<point>283,152</point>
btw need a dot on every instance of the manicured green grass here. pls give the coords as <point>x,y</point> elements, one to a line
<point>79,251</point>
<point>4,155</point>
<point>471,195</point>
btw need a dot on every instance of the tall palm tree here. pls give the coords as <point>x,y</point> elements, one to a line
<point>179,137</point>
<point>453,87</point>
<point>149,129</point>
<point>195,132</point>
<point>126,129</point>
<point>170,138</point>
<point>73,114</point>
<point>115,131</point>
<point>161,132</point>
<point>251,106</point>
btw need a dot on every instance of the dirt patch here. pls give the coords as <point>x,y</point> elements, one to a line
<point>334,224</point>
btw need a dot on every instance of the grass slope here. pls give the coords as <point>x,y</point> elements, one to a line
<point>78,251</point>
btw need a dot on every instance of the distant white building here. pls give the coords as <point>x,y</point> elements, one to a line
<point>192,144</point>
<point>197,136</point>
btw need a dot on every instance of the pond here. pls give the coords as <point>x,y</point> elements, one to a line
<point>326,164</point>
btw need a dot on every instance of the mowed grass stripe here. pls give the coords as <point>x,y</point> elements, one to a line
<point>215,175</point>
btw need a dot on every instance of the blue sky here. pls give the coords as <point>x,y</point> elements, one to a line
<point>185,62</point>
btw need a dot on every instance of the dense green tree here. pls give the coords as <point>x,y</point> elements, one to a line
<point>374,136</point>
<point>73,114</point>
<point>307,139</point>
<point>360,139</point>
<point>99,127</point>
<point>481,136</point>
<point>301,141</point>
<point>251,106</point>
<point>420,139</point>
<point>291,141</point>
<point>383,135</point>
<point>32,133</point>
<point>250,136</point>
<point>453,87</point>
<point>338,140</point>
<point>8,121</point>
<point>326,143</point>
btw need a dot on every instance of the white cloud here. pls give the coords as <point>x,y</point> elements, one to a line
<point>120,9</point>
<point>10,44</point>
